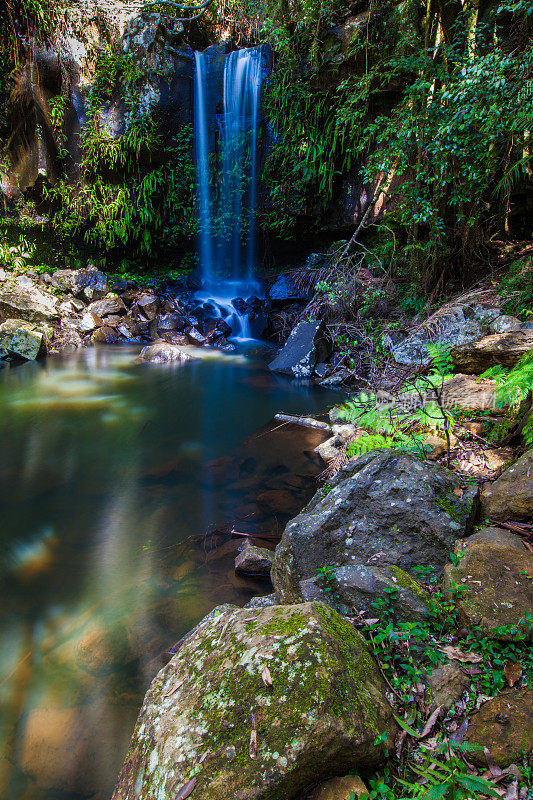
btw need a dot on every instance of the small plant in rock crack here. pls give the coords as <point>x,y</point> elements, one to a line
<point>326,580</point>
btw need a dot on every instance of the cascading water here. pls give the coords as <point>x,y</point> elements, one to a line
<point>227,254</point>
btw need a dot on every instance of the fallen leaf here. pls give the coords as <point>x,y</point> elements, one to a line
<point>266,676</point>
<point>186,790</point>
<point>460,733</point>
<point>370,621</point>
<point>512,672</point>
<point>430,724</point>
<point>400,741</point>
<point>458,655</point>
<point>512,791</point>
<point>495,771</point>
<point>458,491</point>
<point>174,689</point>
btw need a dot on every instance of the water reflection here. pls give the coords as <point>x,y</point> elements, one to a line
<point>111,473</point>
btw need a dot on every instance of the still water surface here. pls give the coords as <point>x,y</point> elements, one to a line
<point>119,485</point>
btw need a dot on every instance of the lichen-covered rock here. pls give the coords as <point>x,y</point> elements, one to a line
<point>385,507</point>
<point>495,574</point>
<point>505,323</point>
<point>112,304</point>
<point>27,302</point>
<point>20,339</point>
<point>210,717</point>
<point>511,495</point>
<point>504,725</point>
<point>499,348</point>
<point>360,587</point>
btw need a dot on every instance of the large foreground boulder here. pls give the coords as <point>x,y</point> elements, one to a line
<point>22,340</point>
<point>27,302</point>
<point>385,507</point>
<point>511,495</point>
<point>494,574</point>
<point>163,353</point>
<point>308,344</point>
<point>258,704</point>
<point>500,348</point>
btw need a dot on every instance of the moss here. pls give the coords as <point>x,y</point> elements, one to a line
<point>448,506</point>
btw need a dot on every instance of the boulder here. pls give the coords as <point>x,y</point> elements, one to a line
<point>504,726</point>
<point>254,561</point>
<point>511,495</point>
<point>467,391</point>
<point>499,348</point>
<point>284,290</point>
<point>147,305</point>
<point>364,588</point>
<point>308,344</point>
<point>89,322</point>
<point>452,328</point>
<point>163,353</point>
<point>112,304</point>
<point>216,721</point>
<point>91,284</point>
<point>20,339</point>
<point>171,322</point>
<point>494,573</point>
<point>65,280</point>
<point>27,303</point>
<point>505,323</point>
<point>385,507</point>
<point>105,335</point>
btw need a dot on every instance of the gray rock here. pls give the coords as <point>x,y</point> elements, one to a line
<point>28,303</point>
<point>449,330</point>
<point>265,601</point>
<point>498,348</point>
<point>107,306</point>
<point>254,560</point>
<point>511,495</point>
<point>359,588</point>
<point>20,339</point>
<point>4,275</point>
<point>65,280</point>
<point>308,344</point>
<point>446,685</point>
<point>526,326</point>
<point>210,716</point>
<point>163,353</point>
<point>92,284</point>
<point>486,312</point>
<point>89,322</point>
<point>385,508</point>
<point>505,323</point>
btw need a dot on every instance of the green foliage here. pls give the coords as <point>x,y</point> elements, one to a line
<point>15,257</point>
<point>514,387</point>
<point>441,359</point>
<point>517,288</point>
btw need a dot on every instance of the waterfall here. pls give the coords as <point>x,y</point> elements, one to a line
<point>227,212</point>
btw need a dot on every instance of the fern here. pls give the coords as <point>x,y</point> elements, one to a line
<point>515,385</point>
<point>441,359</point>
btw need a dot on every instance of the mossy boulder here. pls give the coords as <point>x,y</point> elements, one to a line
<point>22,340</point>
<point>494,575</point>
<point>206,709</point>
<point>384,508</point>
<point>27,302</point>
<point>511,495</point>
<point>504,725</point>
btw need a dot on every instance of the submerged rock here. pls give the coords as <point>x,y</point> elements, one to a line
<point>212,717</point>
<point>308,344</point>
<point>385,507</point>
<point>163,353</point>
<point>511,495</point>
<point>495,573</point>
<point>504,726</point>
<point>20,339</point>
